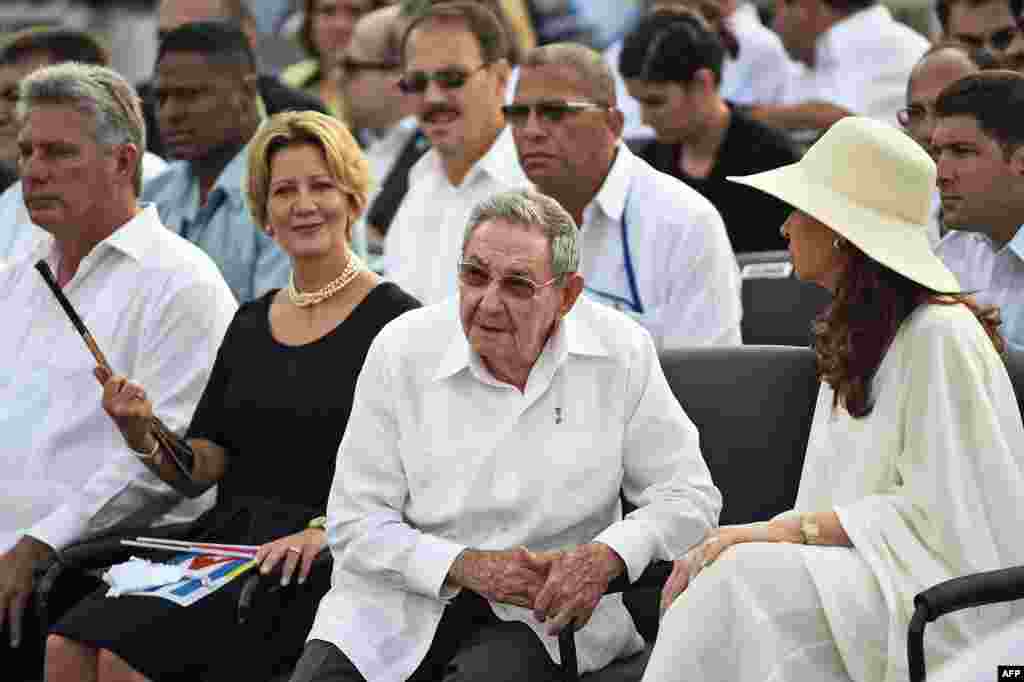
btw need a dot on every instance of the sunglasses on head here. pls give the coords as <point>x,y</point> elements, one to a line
<point>351,65</point>
<point>416,82</point>
<point>551,111</point>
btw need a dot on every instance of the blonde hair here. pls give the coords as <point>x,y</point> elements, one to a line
<point>344,158</point>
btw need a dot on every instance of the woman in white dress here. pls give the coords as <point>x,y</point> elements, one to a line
<point>913,471</point>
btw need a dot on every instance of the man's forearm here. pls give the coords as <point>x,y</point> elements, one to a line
<point>804,116</point>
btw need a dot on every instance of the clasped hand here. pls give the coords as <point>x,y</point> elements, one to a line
<point>560,587</point>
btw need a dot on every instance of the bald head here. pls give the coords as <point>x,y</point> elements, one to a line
<point>939,67</point>
<point>376,36</point>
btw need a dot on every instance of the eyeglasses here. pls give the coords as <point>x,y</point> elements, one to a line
<point>416,83</point>
<point>551,111</point>
<point>510,286</point>
<point>351,65</point>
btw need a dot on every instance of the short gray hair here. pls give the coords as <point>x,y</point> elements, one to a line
<point>593,71</point>
<point>96,91</point>
<point>532,209</point>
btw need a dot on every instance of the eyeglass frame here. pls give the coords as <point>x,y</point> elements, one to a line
<point>536,288</point>
<point>439,77</point>
<point>561,109</point>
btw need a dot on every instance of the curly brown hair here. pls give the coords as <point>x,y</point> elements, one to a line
<point>853,333</point>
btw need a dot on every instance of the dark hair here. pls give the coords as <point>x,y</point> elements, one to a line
<point>61,44</point>
<point>488,30</point>
<point>994,99</point>
<point>1017,9</point>
<point>853,334</point>
<point>943,8</point>
<point>849,6</point>
<point>670,47</point>
<point>305,36</point>
<point>221,42</point>
<point>516,52</point>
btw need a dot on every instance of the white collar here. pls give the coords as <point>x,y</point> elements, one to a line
<point>611,198</point>
<point>500,162</point>
<point>132,239</point>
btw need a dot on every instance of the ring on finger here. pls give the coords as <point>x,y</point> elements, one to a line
<point>292,548</point>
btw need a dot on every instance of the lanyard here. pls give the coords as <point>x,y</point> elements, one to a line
<point>634,303</point>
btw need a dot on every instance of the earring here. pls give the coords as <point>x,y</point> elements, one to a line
<point>782,231</point>
<point>837,243</point>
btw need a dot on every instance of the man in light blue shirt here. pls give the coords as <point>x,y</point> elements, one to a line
<point>978,146</point>
<point>208,109</point>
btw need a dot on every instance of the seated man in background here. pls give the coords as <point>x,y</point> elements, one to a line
<point>475,510</point>
<point>856,56</point>
<point>941,66</point>
<point>382,119</point>
<point>274,94</point>
<point>21,54</point>
<point>979,147</point>
<point>650,246</point>
<point>208,108</point>
<point>672,63</point>
<point>978,24</point>
<point>156,306</point>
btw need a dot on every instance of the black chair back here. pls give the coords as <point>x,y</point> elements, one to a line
<point>778,308</point>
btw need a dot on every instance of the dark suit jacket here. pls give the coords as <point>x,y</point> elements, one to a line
<point>276,97</point>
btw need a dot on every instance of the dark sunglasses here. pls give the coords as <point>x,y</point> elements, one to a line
<point>551,111</point>
<point>510,286</point>
<point>351,65</point>
<point>416,82</point>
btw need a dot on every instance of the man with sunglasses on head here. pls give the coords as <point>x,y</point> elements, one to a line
<point>652,247</point>
<point>475,510</point>
<point>382,119</point>
<point>455,71</point>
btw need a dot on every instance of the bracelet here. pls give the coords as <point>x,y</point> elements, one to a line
<point>146,456</point>
<point>319,522</point>
<point>810,533</point>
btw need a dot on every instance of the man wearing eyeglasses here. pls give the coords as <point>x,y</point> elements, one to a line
<point>381,117</point>
<point>652,247</point>
<point>475,509</point>
<point>456,73</point>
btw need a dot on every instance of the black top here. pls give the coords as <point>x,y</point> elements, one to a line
<point>7,176</point>
<point>276,96</point>
<point>752,218</point>
<point>280,412</point>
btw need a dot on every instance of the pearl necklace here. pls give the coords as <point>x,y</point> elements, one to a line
<point>306,299</point>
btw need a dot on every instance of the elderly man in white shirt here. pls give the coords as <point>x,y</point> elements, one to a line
<point>756,74</point>
<point>977,145</point>
<point>652,246</point>
<point>476,504</point>
<point>155,305</point>
<point>454,59</point>
<point>854,58</point>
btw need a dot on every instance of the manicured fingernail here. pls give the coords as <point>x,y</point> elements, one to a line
<point>302,581</point>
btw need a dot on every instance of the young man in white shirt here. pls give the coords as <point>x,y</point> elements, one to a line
<point>156,306</point>
<point>475,509</point>
<point>652,246</point>
<point>454,59</point>
<point>979,146</point>
<point>855,59</point>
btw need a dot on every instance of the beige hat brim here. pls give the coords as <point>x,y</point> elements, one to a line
<point>897,244</point>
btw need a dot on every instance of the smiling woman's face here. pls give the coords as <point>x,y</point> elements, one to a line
<point>308,213</point>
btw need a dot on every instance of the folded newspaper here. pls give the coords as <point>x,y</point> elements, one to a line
<point>184,579</point>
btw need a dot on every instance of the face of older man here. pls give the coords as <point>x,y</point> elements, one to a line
<point>927,80</point>
<point>576,150</point>
<point>507,331</point>
<point>371,78</point>
<point>460,120</point>
<point>67,177</point>
<point>10,76</point>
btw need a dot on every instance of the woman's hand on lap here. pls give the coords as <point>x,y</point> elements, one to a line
<point>291,552</point>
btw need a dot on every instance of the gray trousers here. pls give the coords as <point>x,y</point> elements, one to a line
<point>471,644</point>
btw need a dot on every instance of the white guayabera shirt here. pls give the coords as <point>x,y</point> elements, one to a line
<point>158,308</point>
<point>439,456</point>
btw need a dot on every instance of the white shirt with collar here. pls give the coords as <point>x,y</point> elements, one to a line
<point>685,270</point>
<point>421,250</point>
<point>17,231</point>
<point>158,308</point>
<point>862,64</point>
<point>997,275</point>
<point>439,456</point>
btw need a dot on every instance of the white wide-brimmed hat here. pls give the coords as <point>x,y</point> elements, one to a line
<point>872,184</point>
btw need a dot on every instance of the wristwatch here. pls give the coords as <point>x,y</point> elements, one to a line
<point>319,522</point>
<point>810,534</point>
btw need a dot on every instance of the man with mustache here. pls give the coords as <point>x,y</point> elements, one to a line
<point>454,59</point>
<point>208,108</point>
<point>978,145</point>
<point>155,304</point>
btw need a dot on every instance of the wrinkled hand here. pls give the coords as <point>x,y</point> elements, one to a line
<point>128,406</point>
<point>292,551</point>
<point>17,567</point>
<point>512,576</point>
<point>684,571</point>
<point>577,579</point>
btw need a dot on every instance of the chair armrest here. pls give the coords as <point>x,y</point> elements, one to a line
<point>654,575</point>
<point>257,584</point>
<point>977,589</point>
